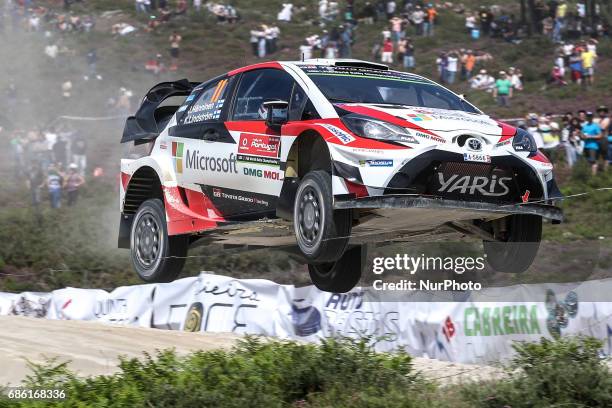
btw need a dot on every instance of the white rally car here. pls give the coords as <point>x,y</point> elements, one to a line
<point>321,157</point>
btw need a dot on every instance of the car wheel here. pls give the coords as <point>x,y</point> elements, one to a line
<point>321,233</point>
<point>520,244</point>
<point>340,276</point>
<point>156,257</point>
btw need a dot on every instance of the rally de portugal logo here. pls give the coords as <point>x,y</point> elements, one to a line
<point>177,157</point>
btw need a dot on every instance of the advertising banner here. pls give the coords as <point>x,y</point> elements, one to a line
<point>470,331</point>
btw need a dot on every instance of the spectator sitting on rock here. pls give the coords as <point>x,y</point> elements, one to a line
<point>482,81</point>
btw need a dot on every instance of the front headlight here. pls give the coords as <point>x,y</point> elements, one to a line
<point>524,142</point>
<point>377,129</point>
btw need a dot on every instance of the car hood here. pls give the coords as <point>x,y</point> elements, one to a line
<point>440,120</point>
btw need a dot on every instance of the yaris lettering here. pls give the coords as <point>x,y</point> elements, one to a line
<point>477,184</point>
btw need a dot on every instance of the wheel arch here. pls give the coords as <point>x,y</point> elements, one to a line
<point>308,152</point>
<point>144,184</point>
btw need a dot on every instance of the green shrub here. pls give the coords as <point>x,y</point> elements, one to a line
<point>255,373</point>
<point>564,372</point>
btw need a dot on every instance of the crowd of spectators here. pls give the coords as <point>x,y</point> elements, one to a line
<point>574,135</point>
<point>52,161</point>
<point>264,40</point>
<point>574,62</point>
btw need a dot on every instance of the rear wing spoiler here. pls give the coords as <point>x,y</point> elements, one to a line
<point>150,119</point>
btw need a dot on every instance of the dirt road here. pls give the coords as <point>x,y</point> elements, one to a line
<point>93,348</point>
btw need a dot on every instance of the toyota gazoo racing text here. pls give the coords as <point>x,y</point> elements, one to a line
<point>320,158</point>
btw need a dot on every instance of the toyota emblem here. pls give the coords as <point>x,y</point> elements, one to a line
<point>474,144</point>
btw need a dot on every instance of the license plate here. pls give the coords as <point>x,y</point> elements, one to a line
<point>483,158</point>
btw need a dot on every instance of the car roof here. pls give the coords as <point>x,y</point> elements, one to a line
<point>344,62</point>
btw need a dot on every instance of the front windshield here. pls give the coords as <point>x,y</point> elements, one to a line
<point>362,85</point>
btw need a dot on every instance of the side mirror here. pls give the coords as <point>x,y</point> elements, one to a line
<point>276,112</point>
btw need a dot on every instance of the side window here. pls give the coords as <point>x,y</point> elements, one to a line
<point>300,107</point>
<point>296,105</point>
<point>257,87</point>
<point>209,104</point>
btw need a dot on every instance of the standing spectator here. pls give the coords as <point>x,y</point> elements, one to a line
<point>254,41</point>
<point>452,63</point>
<point>54,186</point>
<point>346,40</point>
<point>409,60</point>
<point>59,150</point>
<point>503,90</point>
<point>441,63</point>
<point>591,133</point>
<point>469,64</point>
<point>588,66</point>
<point>605,146</point>
<point>418,18</point>
<point>470,22</point>
<point>430,20</point>
<point>387,51</point>
<point>286,13</point>
<point>515,77</point>
<point>486,18</point>
<point>197,4</point>
<point>78,147</point>
<point>175,44</point>
<point>72,184</point>
<point>396,29</point>
<point>570,138</point>
<point>575,65</point>
<point>35,181</point>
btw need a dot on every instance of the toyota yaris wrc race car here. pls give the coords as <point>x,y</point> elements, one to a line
<point>323,158</point>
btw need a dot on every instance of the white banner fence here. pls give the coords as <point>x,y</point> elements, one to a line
<point>467,332</point>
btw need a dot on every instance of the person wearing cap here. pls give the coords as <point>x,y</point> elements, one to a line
<point>591,133</point>
<point>72,183</point>
<point>603,120</point>
<point>503,89</point>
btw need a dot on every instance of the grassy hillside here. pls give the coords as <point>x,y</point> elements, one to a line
<point>51,249</point>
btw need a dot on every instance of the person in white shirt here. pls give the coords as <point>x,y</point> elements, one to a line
<point>515,78</point>
<point>286,13</point>
<point>305,51</point>
<point>451,68</point>
<point>470,22</point>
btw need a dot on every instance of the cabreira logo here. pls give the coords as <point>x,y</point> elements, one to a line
<point>490,187</point>
<point>194,160</point>
<point>177,157</point>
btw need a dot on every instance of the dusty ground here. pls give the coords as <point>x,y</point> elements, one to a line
<point>93,348</point>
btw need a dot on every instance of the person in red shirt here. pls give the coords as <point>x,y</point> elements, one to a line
<point>387,51</point>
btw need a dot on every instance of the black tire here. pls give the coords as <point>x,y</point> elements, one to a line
<point>321,233</point>
<point>156,257</point>
<point>340,276</point>
<point>517,252</point>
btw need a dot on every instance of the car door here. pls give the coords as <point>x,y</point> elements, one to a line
<point>200,141</point>
<point>252,191</point>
